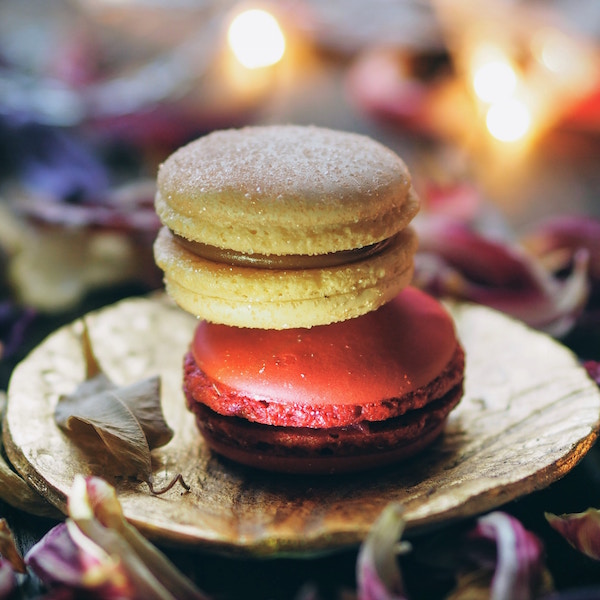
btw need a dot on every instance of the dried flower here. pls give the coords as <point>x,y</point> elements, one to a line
<point>377,572</point>
<point>98,552</point>
<point>458,262</point>
<point>581,530</point>
<point>8,579</point>
<point>52,163</point>
<point>557,239</point>
<point>11,562</point>
<point>593,369</point>
<point>14,323</point>
<point>516,553</point>
<point>8,548</point>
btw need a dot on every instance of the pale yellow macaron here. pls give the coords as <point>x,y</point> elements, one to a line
<point>284,226</point>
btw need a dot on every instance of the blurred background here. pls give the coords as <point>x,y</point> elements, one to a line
<point>494,105</point>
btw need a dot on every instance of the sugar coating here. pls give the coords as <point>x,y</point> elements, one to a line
<point>285,190</point>
<point>281,299</point>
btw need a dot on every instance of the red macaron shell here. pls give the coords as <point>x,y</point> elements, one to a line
<point>369,368</point>
<point>317,451</point>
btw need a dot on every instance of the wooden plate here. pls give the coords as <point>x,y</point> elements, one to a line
<point>528,416</point>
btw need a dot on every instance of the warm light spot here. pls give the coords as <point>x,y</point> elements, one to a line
<point>494,81</point>
<point>508,120</point>
<point>555,51</point>
<point>256,39</point>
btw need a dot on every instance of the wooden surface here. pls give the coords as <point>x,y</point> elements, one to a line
<point>529,415</point>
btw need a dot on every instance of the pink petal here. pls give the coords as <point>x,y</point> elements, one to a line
<point>379,83</point>
<point>568,233</point>
<point>377,572</point>
<point>62,563</point>
<point>581,530</point>
<point>519,556</point>
<point>8,580</point>
<point>458,262</point>
<point>593,369</point>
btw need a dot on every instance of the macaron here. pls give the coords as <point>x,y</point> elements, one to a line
<point>356,394</point>
<point>286,226</point>
<point>312,354</point>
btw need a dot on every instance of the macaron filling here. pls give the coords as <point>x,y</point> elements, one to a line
<point>283,261</point>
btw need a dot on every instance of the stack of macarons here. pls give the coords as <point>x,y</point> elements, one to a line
<point>313,353</point>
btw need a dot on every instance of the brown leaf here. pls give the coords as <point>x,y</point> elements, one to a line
<point>127,421</point>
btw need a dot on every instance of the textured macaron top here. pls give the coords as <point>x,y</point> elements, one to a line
<point>285,190</point>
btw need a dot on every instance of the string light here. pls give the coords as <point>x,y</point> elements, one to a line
<point>508,120</point>
<point>256,39</point>
<point>494,80</point>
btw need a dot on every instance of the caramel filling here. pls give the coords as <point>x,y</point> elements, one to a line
<point>285,261</point>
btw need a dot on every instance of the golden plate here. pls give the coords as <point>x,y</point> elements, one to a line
<point>528,416</point>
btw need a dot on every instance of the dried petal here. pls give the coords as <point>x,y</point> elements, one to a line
<point>8,548</point>
<point>60,562</point>
<point>96,511</point>
<point>518,556</point>
<point>458,262</point>
<point>377,572</point>
<point>593,369</point>
<point>54,164</point>
<point>581,530</point>
<point>99,554</point>
<point>8,580</point>
<point>128,209</point>
<point>562,236</point>
<point>14,323</point>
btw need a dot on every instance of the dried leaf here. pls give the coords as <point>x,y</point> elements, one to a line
<point>127,421</point>
<point>92,413</point>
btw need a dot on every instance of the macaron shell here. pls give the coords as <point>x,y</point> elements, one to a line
<point>374,367</point>
<point>285,190</point>
<point>283,299</point>
<point>327,451</point>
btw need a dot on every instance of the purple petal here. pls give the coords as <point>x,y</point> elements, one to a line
<point>57,560</point>
<point>581,530</point>
<point>8,579</point>
<point>593,369</point>
<point>14,323</point>
<point>377,572</point>
<point>55,165</point>
<point>519,556</point>
<point>129,208</point>
<point>96,514</point>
